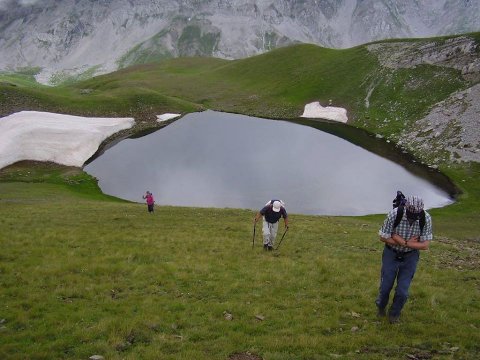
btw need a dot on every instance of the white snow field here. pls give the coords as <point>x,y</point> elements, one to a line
<point>63,139</point>
<point>167,116</point>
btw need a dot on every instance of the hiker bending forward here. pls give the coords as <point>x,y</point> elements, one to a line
<point>401,253</point>
<point>271,212</point>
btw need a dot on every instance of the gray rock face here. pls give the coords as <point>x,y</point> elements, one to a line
<point>460,53</point>
<point>91,37</point>
<point>450,130</point>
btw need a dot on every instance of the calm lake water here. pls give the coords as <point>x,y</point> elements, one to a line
<point>213,159</point>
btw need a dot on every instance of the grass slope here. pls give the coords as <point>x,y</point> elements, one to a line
<point>275,85</point>
<point>83,274</point>
<point>279,83</point>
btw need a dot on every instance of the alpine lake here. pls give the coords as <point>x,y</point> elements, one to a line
<point>213,159</point>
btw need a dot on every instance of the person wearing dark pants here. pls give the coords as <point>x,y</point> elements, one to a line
<point>403,236</point>
<point>150,201</point>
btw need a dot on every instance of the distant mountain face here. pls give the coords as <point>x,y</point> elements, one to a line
<point>87,37</point>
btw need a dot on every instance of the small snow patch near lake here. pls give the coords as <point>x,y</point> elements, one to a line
<point>167,116</point>
<point>63,139</point>
<point>316,111</point>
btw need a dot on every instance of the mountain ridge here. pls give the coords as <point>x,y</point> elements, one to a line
<point>59,39</point>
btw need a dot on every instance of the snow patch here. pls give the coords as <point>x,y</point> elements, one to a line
<point>167,116</point>
<point>317,111</point>
<point>63,139</point>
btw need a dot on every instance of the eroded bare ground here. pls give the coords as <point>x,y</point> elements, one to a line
<point>244,356</point>
<point>461,254</point>
<point>412,353</point>
<point>446,350</point>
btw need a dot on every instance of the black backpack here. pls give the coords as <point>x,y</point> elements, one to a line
<point>399,200</point>
<point>398,218</point>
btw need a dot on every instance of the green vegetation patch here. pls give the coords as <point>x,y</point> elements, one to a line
<point>29,71</point>
<point>461,219</point>
<point>70,178</point>
<point>149,51</point>
<point>203,44</point>
<point>397,98</point>
<point>63,78</point>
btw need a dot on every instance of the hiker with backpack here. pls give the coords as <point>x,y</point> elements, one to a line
<point>406,230</point>
<point>271,212</point>
<point>150,201</point>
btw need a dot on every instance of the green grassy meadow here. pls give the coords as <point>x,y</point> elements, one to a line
<point>83,273</point>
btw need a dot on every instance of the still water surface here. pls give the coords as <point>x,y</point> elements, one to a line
<point>213,159</point>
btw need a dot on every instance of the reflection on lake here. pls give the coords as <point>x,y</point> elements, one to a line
<point>213,159</point>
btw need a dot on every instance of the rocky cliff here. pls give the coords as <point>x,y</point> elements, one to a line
<point>449,131</point>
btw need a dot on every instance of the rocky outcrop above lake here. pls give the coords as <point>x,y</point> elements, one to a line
<point>460,53</point>
<point>450,132</point>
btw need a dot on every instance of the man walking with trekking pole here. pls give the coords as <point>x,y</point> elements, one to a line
<point>271,212</point>
<point>406,230</point>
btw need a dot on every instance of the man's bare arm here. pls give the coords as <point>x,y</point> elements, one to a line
<point>388,241</point>
<point>414,243</point>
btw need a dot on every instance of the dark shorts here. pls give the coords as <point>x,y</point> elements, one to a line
<point>150,208</point>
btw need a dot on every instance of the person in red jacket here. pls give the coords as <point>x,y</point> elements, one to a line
<point>150,201</point>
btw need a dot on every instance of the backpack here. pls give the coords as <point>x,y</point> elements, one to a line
<point>399,200</point>
<point>398,218</point>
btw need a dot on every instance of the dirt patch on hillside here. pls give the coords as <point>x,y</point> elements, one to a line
<point>462,255</point>
<point>244,356</point>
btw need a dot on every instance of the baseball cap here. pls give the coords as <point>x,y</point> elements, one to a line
<point>276,205</point>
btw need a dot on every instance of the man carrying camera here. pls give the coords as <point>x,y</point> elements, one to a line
<point>405,231</point>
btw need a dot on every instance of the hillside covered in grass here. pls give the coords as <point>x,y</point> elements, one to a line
<point>84,274</point>
<point>385,94</point>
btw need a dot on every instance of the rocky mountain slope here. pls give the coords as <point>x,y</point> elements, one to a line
<point>449,131</point>
<point>54,39</point>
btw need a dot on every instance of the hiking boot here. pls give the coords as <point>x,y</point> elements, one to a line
<point>381,312</point>
<point>393,319</point>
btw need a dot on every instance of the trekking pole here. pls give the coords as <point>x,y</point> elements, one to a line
<point>253,241</point>
<point>282,238</point>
